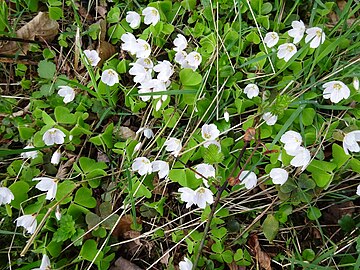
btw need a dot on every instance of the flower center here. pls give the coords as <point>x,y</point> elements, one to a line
<point>154,12</point>
<point>207,135</point>
<point>146,47</point>
<point>289,48</point>
<point>318,33</point>
<point>273,36</point>
<point>337,86</point>
<point>201,190</point>
<point>111,73</point>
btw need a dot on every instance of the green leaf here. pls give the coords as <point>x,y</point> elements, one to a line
<point>25,132</point>
<point>55,13</point>
<point>217,247</point>
<point>65,188</point>
<point>319,165</point>
<point>227,255</point>
<point>188,77</point>
<point>47,119</point>
<point>88,250</point>
<point>88,165</point>
<point>347,223</point>
<point>84,197</point>
<point>270,227</point>
<point>339,155</point>
<point>66,230</point>
<point>212,155</point>
<point>219,232</point>
<point>355,165</point>
<point>104,138</point>
<point>308,255</point>
<point>63,115</point>
<point>46,69</point>
<point>321,178</point>
<point>185,178</point>
<point>313,213</point>
<point>308,115</point>
<point>19,189</point>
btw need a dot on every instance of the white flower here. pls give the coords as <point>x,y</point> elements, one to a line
<point>248,178</point>
<point>350,142</point>
<point>130,43</point>
<point>269,118</point>
<point>148,133</point>
<point>67,93</point>
<point>143,49</point>
<point>226,116</point>
<point>298,31</point>
<point>199,197</point>
<point>336,91</point>
<point>165,70</point>
<point>158,105</point>
<point>152,15</point>
<point>152,86</point>
<point>358,190</point>
<point>47,184</point>
<point>286,51</point>
<point>173,145</point>
<point>137,147</point>
<point>206,171</point>
<point>53,135</point>
<point>193,59</point>
<point>180,57</point>
<point>133,19</point>
<point>251,90</point>
<point>186,264</point>
<point>356,83</point>
<point>58,213</point>
<point>55,158</point>
<point>160,166</point>
<point>28,222</point>
<point>180,43</point>
<point>279,176</point>
<point>45,263</point>
<point>292,141</point>
<point>92,57</point>
<point>6,196</point>
<point>145,62</point>
<point>301,158</point>
<point>142,165</point>
<point>271,39</point>
<point>109,77</point>
<point>30,154</point>
<point>316,35</point>
<point>140,72</point>
<point>209,132</point>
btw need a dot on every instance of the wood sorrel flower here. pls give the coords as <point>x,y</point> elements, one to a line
<point>269,118</point>
<point>316,35</point>
<point>186,264</point>
<point>271,39</point>
<point>67,93</point>
<point>110,77</point>
<point>6,196</point>
<point>180,43</point>
<point>133,19</point>
<point>142,165</point>
<point>28,222</point>
<point>297,31</point>
<point>161,167</point>
<point>335,91</point>
<point>279,176</point>
<point>350,142</point>
<point>53,135</point>
<point>173,145</point>
<point>286,51</point>
<point>92,57</point>
<point>209,132</point>
<point>151,15</point>
<point>47,184</point>
<point>249,179</point>
<point>205,170</point>
<point>251,90</point>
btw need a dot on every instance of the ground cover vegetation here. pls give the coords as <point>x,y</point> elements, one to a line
<point>179,134</point>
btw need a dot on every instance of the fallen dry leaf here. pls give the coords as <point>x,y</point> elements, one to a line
<point>261,257</point>
<point>105,49</point>
<point>124,226</point>
<point>123,264</point>
<point>40,27</point>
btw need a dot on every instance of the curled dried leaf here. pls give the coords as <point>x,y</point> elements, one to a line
<point>41,27</point>
<point>249,134</point>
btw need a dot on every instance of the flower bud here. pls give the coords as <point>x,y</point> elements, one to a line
<point>356,83</point>
<point>226,116</point>
<point>55,159</point>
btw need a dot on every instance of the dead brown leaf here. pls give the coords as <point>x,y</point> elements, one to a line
<point>124,226</point>
<point>105,49</point>
<point>261,257</point>
<point>40,28</point>
<point>123,264</point>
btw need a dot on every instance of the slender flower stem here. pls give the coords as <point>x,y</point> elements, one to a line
<point>216,201</point>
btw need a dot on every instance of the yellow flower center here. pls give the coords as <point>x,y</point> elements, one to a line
<point>197,57</point>
<point>154,12</point>
<point>207,135</point>
<point>111,72</point>
<point>289,48</point>
<point>318,33</point>
<point>201,190</point>
<point>273,36</point>
<point>337,86</point>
